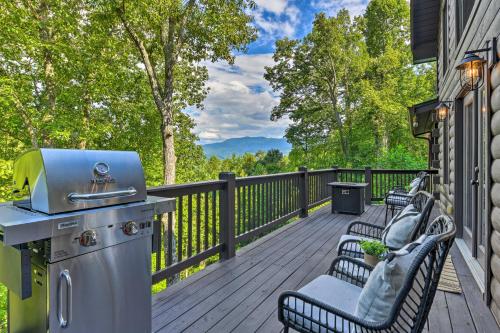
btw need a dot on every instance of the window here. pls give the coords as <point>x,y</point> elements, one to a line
<point>444,36</point>
<point>463,10</point>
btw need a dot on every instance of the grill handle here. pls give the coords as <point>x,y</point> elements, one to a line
<point>103,195</point>
<point>65,322</point>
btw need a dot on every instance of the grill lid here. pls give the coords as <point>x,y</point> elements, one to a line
<point>62,180</point>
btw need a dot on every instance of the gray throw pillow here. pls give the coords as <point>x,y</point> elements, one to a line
<point>415,182</point>
<point>399,231</point>
<point>385,282</point>
<point>413,191</point>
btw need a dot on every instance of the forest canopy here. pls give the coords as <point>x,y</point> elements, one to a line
<point>71,76</point>
<point>346,87</point>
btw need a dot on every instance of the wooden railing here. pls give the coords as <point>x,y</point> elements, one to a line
<point>213,217</point>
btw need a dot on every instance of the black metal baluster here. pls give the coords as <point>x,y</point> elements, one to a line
<point>205,197</point>
<point>198,223</point>
<point>190,227</point>
<point>214,218</point>
<point>179,229</point>
<point>245,213</point>
<point>170,232</point>
<point>238,203</point>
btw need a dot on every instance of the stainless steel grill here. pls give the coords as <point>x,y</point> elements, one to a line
<point>75,247</point>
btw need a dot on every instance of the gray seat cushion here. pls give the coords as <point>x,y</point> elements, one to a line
<point>399,231</point>
<point>385,282</point>
<point>331,291</point>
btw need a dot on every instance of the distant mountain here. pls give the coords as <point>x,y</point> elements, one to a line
<point>239,146</point>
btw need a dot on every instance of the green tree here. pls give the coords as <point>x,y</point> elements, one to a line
<point>318,78</point>
<point>172,38</point>
<point>272,161</point>
<point>346,87</point>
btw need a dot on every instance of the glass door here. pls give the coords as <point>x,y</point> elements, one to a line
<point>470,163</point>
<point>475,175</point>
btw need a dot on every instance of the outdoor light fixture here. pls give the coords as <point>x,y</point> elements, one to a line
<point>443,109</point>
<point>471,71</point>
<point>472,67</point>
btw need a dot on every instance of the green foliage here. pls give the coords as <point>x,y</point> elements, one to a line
<point>373,248</point>
<point>346,87</point>
<point>3,309</point>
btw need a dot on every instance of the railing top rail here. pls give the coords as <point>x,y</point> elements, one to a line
<point>263,178</point>
<point>430,171</point>
<point>187,188</point>
<point>321,171</point>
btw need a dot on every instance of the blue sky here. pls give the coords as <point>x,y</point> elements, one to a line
<point>240,100</point>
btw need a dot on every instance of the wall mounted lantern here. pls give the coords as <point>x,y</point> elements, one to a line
<point>443,109</point>
<point>471,67</point>
<point>471,71</point>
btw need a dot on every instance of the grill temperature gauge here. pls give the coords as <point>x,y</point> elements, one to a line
<point>130,228</point>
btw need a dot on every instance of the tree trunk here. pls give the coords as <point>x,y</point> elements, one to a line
<point>163,98</point>
<point>169,158</point>
<point>85,122</point>
<point>46,36</point>
<point>169,161</point>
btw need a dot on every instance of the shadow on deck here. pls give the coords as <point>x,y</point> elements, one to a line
<point>241,294</point>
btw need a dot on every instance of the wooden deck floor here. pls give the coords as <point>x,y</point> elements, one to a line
<point>240,294</point>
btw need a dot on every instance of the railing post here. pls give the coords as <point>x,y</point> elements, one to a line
<point>304,192</point>
<point>368,189</point>
<point>227,211</point>
<point>335,177</point>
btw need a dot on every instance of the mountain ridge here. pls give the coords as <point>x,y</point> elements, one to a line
<point>246,144</point>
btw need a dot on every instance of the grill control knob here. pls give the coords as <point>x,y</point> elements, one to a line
<point>130,228</point>
<point>88,238</point>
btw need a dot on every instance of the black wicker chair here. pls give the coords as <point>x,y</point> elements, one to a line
<point>412,305</point>
<point>398,197</point>
<point>423,202</point>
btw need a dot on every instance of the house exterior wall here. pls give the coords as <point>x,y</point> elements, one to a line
<point>495,190</point>
<point>483,24</point>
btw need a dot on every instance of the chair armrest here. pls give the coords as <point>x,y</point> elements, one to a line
<point>365,229</point>
<point>399,199</point>
<point>350,270</point>
<point>296,310</point>
<point>350,248</point>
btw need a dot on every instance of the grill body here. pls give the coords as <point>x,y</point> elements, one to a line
<point>79,244</point>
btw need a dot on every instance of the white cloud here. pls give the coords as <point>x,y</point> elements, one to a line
<point>275,19</point>
<point>239,103</point>
<point>355,7</point>
<point>273,6</point>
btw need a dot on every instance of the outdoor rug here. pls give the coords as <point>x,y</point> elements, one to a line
<point>449,280</point>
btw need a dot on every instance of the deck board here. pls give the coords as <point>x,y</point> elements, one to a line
<point>240,294</point>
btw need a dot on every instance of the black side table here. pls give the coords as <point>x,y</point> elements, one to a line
<point>348,197</point>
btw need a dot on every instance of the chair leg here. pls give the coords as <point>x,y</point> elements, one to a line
<point>285,329</point>
<point>386,213</point>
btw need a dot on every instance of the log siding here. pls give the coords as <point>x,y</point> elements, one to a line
<point>482,25</point>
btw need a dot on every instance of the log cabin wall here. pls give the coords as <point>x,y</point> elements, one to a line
<point>483,24</point>
<point>495,190</point>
